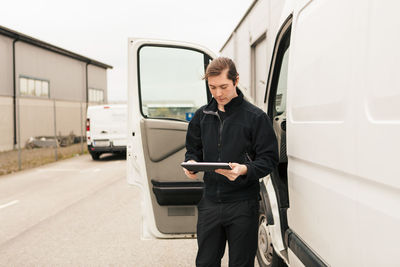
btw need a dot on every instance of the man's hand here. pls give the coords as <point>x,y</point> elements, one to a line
<point>237,170</point>
<point>190,174</point>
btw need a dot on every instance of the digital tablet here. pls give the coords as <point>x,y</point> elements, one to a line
<point>205,166</point>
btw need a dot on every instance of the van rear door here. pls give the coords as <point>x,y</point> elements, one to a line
<point>108,124</point>
<point>165,88</point>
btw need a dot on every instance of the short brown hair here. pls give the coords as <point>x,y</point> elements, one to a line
<point>218,65</point>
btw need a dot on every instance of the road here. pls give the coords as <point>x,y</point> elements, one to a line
<point>79,212</point>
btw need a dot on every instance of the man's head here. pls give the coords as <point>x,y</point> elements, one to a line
<point>222,80</point>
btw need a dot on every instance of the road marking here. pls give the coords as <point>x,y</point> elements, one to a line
<point>90,170</point>
<point>9,204</point>
<point>55,170</point>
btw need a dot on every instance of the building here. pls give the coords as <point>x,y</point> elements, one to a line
<point>251,46</point>
<point>44,89</point>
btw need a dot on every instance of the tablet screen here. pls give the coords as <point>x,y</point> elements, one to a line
<point>205,166</point>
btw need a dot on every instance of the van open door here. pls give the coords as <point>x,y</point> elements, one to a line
<point>165,88</point>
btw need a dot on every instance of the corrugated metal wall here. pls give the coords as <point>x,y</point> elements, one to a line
<point>62,112</point>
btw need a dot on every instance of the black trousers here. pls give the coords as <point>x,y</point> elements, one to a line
<point>235,222</point>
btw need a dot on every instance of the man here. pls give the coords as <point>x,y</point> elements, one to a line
<point>229,129</point>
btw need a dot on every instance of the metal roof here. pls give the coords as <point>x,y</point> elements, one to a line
<point>36,42</point>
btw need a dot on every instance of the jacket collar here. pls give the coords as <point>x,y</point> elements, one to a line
<point>212,106</point>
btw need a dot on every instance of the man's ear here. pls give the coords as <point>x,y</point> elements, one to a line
<point>237,80</point>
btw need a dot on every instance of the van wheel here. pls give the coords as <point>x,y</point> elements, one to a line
<point>95,155</point>
<point>266,255</point>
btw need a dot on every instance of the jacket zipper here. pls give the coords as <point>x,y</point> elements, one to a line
<point>221,126</point>
<point>248,157</point>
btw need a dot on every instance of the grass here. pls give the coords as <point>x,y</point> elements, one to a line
<point>31,158</point>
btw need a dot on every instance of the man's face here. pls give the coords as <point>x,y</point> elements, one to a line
<point>222,89</point>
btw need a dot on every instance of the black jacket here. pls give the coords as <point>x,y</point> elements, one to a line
<point>245,136</point>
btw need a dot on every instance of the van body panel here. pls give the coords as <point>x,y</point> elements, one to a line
<point>342,123</point>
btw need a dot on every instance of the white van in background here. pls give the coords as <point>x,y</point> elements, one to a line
<point>106,129</point>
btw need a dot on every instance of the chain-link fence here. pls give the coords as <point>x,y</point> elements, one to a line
<point>46,130</point>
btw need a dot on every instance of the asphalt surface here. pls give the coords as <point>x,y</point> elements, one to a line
<point>80,212</point>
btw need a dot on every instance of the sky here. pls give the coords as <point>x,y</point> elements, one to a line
<point>100,29</point>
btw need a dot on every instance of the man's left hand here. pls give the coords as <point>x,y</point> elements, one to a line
<point>237,170</point>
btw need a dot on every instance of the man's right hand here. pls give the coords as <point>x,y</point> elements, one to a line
<point>190,174</point>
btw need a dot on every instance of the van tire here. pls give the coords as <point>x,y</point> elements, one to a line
<point>266,255</point>
<point>95,155</point>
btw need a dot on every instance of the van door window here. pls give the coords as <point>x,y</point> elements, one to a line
<point>277,84</point>
<point>280,98</point>
<point>171,84</point>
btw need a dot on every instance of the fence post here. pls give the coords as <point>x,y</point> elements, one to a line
<point>55,130</point>
<point>19,134</point>
<point>81,129</point>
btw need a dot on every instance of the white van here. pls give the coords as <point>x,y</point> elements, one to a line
<point>333,94</point>
<point>106,129</point>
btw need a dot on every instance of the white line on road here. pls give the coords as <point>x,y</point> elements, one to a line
<point>9,204</point>
<point>90,170</point>
<point>55,170</point>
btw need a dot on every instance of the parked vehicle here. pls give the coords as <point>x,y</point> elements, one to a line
<point>333,96</point>
<point>106,129</point>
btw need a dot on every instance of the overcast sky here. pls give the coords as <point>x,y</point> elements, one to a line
<point>100,29</point>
